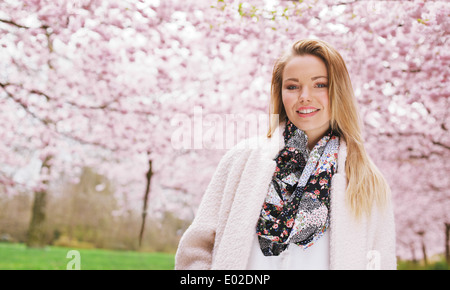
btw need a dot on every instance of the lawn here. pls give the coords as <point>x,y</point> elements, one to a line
<point>19,257</point>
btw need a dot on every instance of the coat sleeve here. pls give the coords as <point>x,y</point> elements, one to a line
<point>385,240</point>
<point>196,246</point>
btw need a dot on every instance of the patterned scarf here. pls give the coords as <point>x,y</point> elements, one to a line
<point>297,204</point>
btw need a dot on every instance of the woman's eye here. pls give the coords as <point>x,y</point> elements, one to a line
<point>292,87</point>
<point>321,85</point>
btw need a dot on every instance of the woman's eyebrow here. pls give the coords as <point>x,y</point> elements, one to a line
<point>313,78</point>
<point>318,77</point>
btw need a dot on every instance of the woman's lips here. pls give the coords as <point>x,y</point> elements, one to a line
<point>305,112</point>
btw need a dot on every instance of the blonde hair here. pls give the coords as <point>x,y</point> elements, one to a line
<point>366,184</point>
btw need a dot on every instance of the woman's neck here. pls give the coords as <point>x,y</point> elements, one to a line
<point>315,135</point>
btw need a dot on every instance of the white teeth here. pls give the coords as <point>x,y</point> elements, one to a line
<point>307,111</point>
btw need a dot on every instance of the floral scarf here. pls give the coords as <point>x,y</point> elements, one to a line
<point>296,208</point>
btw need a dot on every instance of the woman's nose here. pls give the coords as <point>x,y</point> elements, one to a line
<point>305,95</point>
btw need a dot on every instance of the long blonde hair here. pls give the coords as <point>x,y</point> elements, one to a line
<point>366,184</point>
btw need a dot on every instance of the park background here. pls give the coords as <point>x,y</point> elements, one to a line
<point>93,94</point>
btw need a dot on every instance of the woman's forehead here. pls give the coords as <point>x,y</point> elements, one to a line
<point>305,66</point>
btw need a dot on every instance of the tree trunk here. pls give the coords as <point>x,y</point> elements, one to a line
<point>36,230</point>
<point>447,243</point>
<point>146,195</point>
<point>425,259</point>
<point>413,252</point>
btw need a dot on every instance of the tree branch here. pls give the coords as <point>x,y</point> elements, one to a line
<point>176,188</point>
<point>105,107</point>
<point>440,144</point>
<point>10,22</point>
<point>47,123</point>
<point>422,135</point>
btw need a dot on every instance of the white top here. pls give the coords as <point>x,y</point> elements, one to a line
<point>315,257</point>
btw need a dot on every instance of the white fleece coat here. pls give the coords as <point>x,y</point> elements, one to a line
<point>221,235</point>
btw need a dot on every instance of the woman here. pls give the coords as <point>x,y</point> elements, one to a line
<point>307,196</point>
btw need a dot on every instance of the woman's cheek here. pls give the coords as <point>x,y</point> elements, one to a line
<point>289,98</point>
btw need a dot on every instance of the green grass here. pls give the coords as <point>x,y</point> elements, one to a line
<point>436,265</point>
<point>19,257</point>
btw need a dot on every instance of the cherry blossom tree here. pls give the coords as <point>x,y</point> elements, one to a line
<point>85,79</point>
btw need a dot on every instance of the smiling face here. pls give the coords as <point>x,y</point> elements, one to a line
<point>305,96</point>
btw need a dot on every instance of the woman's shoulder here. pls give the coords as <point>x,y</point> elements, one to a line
<point>260,144</point>
<point>244,147</point>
